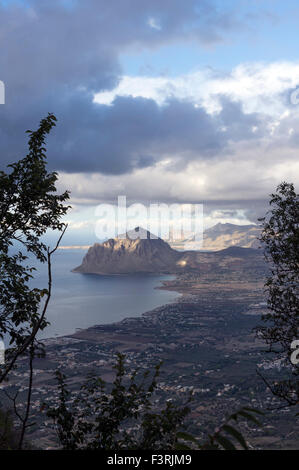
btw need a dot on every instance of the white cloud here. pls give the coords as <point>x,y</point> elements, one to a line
<point>248,171</point>
<point>258,86</point>
<point>249,174</point>
<point>84,224</point>
<point>154,23</point>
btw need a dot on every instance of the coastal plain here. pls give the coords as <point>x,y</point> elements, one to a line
<point>205,340</point>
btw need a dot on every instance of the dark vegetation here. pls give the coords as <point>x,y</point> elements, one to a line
<point>280,329</point>
<point>125,417</point>
<point>29,207</point>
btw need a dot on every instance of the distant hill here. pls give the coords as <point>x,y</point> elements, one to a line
<point>223,236</point>
<point>139,251</point>
<point>237,251</point>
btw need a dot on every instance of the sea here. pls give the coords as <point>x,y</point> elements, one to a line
<point>84,300</point>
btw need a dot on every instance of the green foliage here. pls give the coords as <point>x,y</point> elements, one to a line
<point>224,438</point>
<point>280,239</point>
<point>123,418</point>
<point>29,206</point>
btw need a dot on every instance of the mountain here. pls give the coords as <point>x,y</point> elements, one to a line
<point>136,251</point>
<point>222,236</point>
<point>225,235</point>
<point>237,252</point>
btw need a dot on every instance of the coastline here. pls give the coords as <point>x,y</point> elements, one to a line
<point>202,339</point>
<point>128,304</point>
<point>146,313</point>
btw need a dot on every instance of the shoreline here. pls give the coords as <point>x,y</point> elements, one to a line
<point>145,313</point>
<point>161,286</point>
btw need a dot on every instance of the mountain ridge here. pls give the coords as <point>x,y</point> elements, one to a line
<point>221,236</point>
<point>147,253</point>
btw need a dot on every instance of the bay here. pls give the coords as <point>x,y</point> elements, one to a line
<point>84,300</point>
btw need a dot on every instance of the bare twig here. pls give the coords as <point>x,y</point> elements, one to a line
<point>14,401</point>
<point>273,391</point>
<point>26,417</point>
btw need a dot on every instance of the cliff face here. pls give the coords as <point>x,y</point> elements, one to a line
<point>138,252</point>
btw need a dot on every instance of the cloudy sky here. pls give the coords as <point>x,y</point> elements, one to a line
<point>175,101</point>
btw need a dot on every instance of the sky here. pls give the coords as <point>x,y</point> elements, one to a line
<point>177,101</point>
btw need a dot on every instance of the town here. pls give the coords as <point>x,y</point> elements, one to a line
<point>205,341</point>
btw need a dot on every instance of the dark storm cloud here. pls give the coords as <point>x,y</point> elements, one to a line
<point>132,133</point>
<point>56,54</point>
